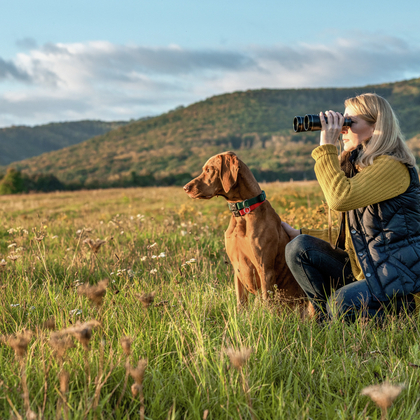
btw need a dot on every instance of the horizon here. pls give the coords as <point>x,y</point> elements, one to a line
<point>186,106</point>
<point>107,61</point>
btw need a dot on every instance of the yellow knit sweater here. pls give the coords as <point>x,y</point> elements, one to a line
<point>384,179</point>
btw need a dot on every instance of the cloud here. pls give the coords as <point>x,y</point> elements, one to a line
<point>101,80</point>
<point>8,70</point>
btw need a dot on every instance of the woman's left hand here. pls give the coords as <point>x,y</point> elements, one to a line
<point>331,131</point>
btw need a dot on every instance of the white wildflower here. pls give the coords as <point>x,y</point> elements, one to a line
<point>162,255</point>
<point>11,245</point>
<point>75,312</point>
<point>153,271</point>
<point>143,258</point>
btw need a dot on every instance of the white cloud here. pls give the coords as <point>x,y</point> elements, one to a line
<point>101,80</point>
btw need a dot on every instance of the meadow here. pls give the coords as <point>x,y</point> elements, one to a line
<point>120,304</point>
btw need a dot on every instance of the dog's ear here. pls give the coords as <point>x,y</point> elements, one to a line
<point>229,169</point>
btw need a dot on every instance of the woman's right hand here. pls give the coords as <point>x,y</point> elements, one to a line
<point>291,232</point>
<point>330,132</point>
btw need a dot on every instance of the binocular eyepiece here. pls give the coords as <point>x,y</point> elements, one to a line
<point>312,122</point>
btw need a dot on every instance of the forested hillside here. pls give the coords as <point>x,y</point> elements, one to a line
<point>257,125</point>
<point>23,142</point>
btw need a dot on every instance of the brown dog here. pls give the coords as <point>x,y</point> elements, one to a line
<point>255,241</point>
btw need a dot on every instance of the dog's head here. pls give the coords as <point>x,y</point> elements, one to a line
<point>219,175</point>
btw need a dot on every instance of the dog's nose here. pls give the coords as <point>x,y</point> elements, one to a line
<point>187,187</point>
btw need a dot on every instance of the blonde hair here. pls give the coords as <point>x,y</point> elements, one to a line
<point>387,138</point>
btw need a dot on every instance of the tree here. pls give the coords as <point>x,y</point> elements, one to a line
<point>12,182</point>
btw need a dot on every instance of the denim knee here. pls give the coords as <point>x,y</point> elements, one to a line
<point>296,247</point>
<point>347,301</point>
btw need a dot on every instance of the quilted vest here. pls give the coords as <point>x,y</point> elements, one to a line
<point>386,238</point>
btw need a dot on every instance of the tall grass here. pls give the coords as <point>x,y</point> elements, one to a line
<point>168,298</point>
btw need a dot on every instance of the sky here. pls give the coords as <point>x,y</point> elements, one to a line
<point>127,59</point>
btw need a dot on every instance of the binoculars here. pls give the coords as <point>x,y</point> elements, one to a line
<point>312,122</point>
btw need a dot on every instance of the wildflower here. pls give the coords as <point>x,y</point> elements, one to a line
<point>146,299</point>
<point>79,231</point>
<point>122,232</point>
<point>154,256</point>
<point>137,373</point>
<point>143,258</point>
<point>238,357</point>
<point>39,238</point>
<point>131,273</point>
<point>126,345</point>
<point>183,232</point>
<point>76,312</point>
<point>19,342</point>
<point>14,305</point>
<point>3,263</point>
<point>383,395</point>
<point>54,237</point>
<point>162,255</point>
<point>151,246</point>
<point>13,257</point>
<point>11,231</point>
<point>94,245</point>
<point>11,245</point>
<point>153,271</point>
<point>94,293</point>
<point>49,324</point>
<point>82,332</point>
<point>60,342</point>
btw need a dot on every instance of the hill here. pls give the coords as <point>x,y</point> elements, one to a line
<point>23,142</point>
<point>256,124</point>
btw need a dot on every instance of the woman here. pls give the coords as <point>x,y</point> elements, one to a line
<point>374,183</point>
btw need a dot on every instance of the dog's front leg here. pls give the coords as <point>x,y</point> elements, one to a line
<point>241,293</point>
<point>267,281</point>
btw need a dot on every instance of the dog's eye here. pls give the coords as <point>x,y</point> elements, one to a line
<point>207,170</point>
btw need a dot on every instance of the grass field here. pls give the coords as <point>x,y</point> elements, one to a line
<point>170,293</point>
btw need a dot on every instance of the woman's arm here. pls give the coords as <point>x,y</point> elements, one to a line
<point>384,179</point>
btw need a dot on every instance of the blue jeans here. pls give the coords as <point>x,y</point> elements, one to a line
<point>325,275</point>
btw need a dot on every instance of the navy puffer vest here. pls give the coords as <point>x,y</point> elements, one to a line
<point>386,238</point>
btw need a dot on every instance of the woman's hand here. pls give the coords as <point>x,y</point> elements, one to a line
<point>331,131</point>
<point>291,232</point>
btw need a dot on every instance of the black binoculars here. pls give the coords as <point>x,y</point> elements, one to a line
<point>312,122</point>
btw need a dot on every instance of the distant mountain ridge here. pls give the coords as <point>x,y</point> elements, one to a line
<point>256,124</point>
<point>23,142</point>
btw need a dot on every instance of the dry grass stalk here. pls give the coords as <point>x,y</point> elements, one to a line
<point>94,293</point>
<point>383,395</point>
<point>98,381</point>
<point>64,389</point>
<point>239,358</point>
<point>94,245</point>
<point>19,343</point>
<point>137,374</point>
<point>126,346</point>
<point>146,299</point>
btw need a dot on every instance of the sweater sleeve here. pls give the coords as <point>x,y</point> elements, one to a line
<point>321,233</point>
<point>384,179</point>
